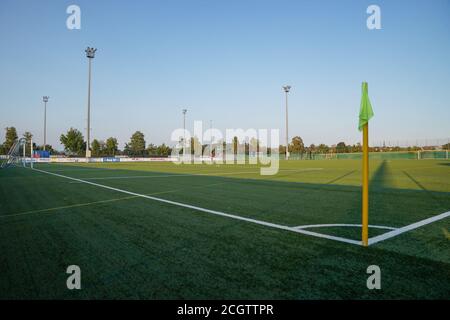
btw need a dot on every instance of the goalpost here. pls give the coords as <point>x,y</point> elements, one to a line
<point>17,155</point>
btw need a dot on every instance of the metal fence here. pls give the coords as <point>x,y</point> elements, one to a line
<point>412,155</point>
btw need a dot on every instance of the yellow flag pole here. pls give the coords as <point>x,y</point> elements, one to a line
<point>365,187</point>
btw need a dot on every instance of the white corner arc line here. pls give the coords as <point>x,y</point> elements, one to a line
<point>342,225</point>
<point>407,228</point>
<point>223,214</point>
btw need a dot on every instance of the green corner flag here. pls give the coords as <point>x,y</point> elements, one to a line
<point>365,112</point>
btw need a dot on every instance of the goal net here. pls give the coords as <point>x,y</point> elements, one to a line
<point>17,155</point>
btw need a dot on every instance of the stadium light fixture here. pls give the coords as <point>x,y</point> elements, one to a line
<point>90,54</point>
<point>286,90</point>
<point>45,100</point>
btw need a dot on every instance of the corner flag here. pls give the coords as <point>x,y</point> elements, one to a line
<point>365,113</point>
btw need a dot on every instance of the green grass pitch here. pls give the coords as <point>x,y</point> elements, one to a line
<point>133,247</point>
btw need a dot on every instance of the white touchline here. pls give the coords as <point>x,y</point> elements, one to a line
<point>77,170</point>
<point>223,214</point>
<point>342,225</point>
<point>409,227</point>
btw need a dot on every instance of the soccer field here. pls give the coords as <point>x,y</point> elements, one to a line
<point>165,231</point>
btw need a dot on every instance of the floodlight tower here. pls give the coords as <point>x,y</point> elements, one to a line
<point>90,54</point>
<point>286,90</point>
<point>45,99</point>
<point>184,131</point>
<point>211,140</point>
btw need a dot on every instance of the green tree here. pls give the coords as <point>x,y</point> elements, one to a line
<point>73,142</point>
<point>341,147</point>
<point>137,144</point>
<point>127,150</point>
<point>112,146</point>
<point>10,138</point>
<point>253,145</point>
<point>28,136</point>
<point>323,148</point>
<point>163,150</point>
<point>235,145</point>
<point>196,146</point>
<point>416,148</point>
<point>446,146</point>
<point>96,148</point>
<point>152,150</point>
<point>357,147</point>
<point>296,145</point>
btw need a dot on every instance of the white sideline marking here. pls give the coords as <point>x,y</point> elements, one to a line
<point>409,227</point>
<point>79,169</point>
<point>342,225</point>
<point>223,214</point>
<point>191,174</point>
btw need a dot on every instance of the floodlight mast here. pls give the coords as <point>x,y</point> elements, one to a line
<point>184,132</point>
<point>286,90</point>
<point>31,153</point>
<point>45,99</point>
<point>90,54</point>
<point>211,142</point>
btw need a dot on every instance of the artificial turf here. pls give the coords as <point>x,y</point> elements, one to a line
<point>131,247</point>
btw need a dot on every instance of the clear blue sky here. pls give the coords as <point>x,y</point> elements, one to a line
<point>226,60</point>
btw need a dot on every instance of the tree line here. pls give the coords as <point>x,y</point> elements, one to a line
<point>11,137</point>
<point>75,145</point>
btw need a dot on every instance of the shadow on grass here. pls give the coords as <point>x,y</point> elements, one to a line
<point>341,177</point>
<point>380,177</point>
<point>378,183</point>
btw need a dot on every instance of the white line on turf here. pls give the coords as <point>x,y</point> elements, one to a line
<point>407,228</point>
<point>77,170</point>
<point>342,225</point>
<point>223,214</point>
<point>99,202</point>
